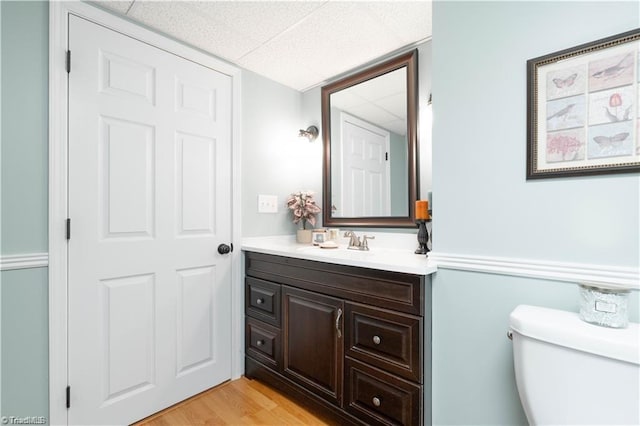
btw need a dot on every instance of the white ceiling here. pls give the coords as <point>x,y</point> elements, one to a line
<point>382,101</point>
<point>300,44</point>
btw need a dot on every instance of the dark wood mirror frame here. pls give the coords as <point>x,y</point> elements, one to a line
<point>410,61</point>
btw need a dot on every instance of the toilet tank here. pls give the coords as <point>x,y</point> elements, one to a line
<point>571,372</point>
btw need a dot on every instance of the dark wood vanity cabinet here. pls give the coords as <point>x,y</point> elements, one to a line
<point>344,340</point>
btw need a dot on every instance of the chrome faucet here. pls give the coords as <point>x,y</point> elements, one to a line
<point>355,243</point>
<point>364,245</point>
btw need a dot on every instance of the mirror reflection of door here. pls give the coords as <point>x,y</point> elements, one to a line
<point>364,168</point>
<point>369,138</point>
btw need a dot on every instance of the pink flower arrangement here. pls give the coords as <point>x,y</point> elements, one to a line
<point>303,207</point>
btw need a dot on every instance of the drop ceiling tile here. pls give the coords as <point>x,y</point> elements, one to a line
<point>372,113</point>
<point>280,70</point>
<point>341,37</point>
<point>280,63</point>
<point>397,126</point>
<point>260,20</point>
<point>346,99</point>
<point>180,20</point>
<point>396,104</point>
<point>383,86</point>
<point>298,43</point>
<point>321,42</point>
<point>409,20</point>
<point>117,6</point>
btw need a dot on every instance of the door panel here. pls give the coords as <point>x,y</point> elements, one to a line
<point>195,198</point>
<point>129,324</point>
<point>127,200</point>
<point>149,200</point>
<point>313,348</point>
<point>195,318</point>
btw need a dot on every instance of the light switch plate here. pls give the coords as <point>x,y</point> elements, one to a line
<point>267,203</point>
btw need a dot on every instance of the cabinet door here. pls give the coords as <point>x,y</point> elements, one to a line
<point>313,348</point>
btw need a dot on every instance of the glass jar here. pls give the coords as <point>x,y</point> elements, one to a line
<point>604,306</point>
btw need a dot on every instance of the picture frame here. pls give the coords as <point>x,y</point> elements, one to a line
<point>583,109</point>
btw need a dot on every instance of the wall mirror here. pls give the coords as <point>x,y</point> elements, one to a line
<point>369,130</point>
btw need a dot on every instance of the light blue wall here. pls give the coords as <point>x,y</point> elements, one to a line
<point>486,207</point>
<point>24,306</point>
<point>274,160</point>
<point>399,176</point>
<point>479,132</point>
<point>25,69</point>
<point>25,343</point>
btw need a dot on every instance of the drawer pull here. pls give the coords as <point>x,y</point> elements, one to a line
<point>260,301</point>
<point>259,342</point>
<point>376,401</point>
<point>338,323</point>
<point>376,340</point>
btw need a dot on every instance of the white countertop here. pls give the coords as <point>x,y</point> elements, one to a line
<point>384,256</point>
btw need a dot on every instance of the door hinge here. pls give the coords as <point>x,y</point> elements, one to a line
<point>68,396</point>
<point>68,62</point>
<point>68,228</point>
<point>386,156</point>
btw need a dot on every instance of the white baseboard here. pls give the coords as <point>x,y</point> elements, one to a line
<point>612,276</point>
<point>24,261</point>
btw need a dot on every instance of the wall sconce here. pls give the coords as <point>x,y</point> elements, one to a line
<point>311,133</point>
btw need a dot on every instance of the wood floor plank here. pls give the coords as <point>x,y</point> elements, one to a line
<point>238,402</point>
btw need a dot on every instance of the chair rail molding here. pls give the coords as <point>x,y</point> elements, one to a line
<point>24,261</point>
<point>613,276</point>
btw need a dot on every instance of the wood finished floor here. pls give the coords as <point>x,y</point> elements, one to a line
<point>238,402</point>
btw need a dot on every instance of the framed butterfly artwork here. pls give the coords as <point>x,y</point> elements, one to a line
<point>583,109</point>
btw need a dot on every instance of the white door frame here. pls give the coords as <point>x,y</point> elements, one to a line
<point>58,183</point>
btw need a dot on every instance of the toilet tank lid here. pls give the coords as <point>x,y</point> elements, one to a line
<point>567,329</point>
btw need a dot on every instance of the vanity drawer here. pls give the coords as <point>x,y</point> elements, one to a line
<point>385,289</point>
<point>262,342</point>
<point>380,398</point>
<point>262,300</point>
<point>385,339</point>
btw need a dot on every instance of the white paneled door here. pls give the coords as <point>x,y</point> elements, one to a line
<point>365,168</point>
<point>149,202</point>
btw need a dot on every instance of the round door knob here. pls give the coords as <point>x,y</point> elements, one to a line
<point>259,343</point>
<point>224,249</point>
<point>260,301</point>
<point>376,401</point>
<point>376,340</point>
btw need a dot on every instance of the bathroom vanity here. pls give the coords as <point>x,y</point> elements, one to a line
<point>350,341</point>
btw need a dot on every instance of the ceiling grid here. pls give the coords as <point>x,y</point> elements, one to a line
<point>300,44</point>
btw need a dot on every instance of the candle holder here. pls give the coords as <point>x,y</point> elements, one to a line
<point>423,237</point>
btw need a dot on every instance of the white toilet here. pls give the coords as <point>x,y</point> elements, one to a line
<point>570,372</point>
